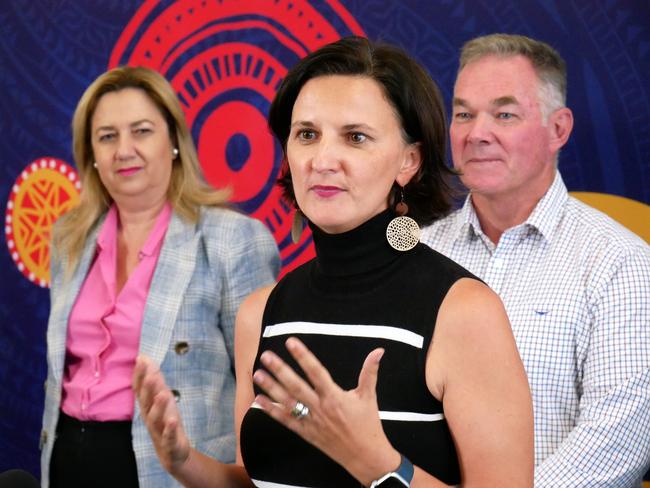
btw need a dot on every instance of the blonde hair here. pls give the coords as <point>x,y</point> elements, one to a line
<point>187,190</point>
<point>546,61</point>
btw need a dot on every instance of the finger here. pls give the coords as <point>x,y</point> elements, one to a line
<point>166,429</point>
<point>369,372</point>
<point>279,413</point>
<point>142,365</point>
<point>274,390</point>
<point>317,374</point>
<point>162,411</point>
<point>289,380</point>
<point>152,384</point>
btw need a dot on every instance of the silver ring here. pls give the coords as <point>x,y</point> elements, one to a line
<point>299,410</point>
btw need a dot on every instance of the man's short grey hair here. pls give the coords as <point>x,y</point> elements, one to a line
<point>547,62</point>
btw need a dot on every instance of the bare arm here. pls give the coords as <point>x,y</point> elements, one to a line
<point>247,338</point>
<point>474,367</point>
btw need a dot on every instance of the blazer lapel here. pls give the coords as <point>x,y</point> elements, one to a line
<point>66,296</point>
<point>171,278</point>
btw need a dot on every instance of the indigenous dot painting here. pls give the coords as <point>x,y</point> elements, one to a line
<point>46,189</point>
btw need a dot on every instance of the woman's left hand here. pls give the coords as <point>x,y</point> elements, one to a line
<point>345,425</point>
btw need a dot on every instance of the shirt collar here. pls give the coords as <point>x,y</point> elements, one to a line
<point>543,218</point>
<point>548,210</point>
<point>108,232</point>
<point>155,238</point>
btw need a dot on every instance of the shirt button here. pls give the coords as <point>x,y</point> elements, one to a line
<point>96,374</point>
<point>83,406</point>
<point>181,348</point>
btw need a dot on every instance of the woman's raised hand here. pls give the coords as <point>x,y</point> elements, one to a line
<point>160,414</point>
<point>345,425</point>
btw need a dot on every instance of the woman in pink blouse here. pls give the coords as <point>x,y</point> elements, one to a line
<point>150,261</point>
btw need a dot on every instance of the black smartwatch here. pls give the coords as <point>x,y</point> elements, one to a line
<point>399,478</point>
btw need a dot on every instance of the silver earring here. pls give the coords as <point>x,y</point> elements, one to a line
<point>95,165</point>
<point>175,152</point>
<point>297,226</point>
<point>402,233</point>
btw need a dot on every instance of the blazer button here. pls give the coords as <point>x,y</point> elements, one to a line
<point>177,395</point>
<point>43,439</point>
<point>181,348</point>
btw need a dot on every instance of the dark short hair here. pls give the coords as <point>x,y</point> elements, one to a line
<point>412,93</point>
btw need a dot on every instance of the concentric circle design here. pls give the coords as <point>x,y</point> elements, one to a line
<point>225,59</point>
<point>45,190</point>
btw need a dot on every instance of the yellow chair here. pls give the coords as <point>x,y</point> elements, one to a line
<point>627,212</point>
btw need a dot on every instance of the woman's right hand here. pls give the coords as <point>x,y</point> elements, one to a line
<point>160,414</point>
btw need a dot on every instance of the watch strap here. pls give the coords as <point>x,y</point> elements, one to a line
<point>399,478</point>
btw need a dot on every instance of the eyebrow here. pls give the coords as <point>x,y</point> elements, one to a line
<point>507,100</point>
<point>497,102</point>
<point>133,124</point>
<point>302,123</point>
<point>359,125</point>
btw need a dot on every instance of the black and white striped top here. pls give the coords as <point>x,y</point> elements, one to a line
<point>357,295</point>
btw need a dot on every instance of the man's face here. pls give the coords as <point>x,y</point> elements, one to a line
<point>499,141</point>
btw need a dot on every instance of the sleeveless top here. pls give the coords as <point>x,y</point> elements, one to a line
<point>358,294</point>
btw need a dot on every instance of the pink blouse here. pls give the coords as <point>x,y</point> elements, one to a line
<point>103,335</point>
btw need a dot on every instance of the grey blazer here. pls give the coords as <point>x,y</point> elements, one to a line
<point>203,273</point>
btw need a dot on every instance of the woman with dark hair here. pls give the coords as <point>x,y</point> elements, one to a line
<point>363,130</point>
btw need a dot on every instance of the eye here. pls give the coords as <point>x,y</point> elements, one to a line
<point>505,116</point>
<point>306,134</point>
<point>357,137</point>
<point>461,116</point>
<point>106,137</point>
<point>142,130</point>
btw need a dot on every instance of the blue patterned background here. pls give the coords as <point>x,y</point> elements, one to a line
<point>50,50</point>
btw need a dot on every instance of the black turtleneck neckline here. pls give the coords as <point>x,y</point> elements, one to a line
<point>356,251</point>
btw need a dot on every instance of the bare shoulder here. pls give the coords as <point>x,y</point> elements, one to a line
<point>252,308</point>
<point>468,300</point>
<point>248,326</point>
<point>472,332</point>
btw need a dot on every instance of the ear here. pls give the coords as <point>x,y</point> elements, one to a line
<point>560,124</point>
<point>410,164</point>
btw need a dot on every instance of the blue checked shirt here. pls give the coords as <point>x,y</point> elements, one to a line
<point>576,287</point>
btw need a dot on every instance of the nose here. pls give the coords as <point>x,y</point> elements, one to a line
<point>125,148</point>
<point>326,155</point>
<point>480,130</point>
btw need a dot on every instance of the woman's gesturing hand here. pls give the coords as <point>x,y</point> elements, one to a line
<point>160,414</point>
<point>345,425</point>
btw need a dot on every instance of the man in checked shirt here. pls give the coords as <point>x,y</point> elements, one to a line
<point>576,285</point>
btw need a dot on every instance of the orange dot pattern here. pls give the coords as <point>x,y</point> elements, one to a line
<point>45,190</point>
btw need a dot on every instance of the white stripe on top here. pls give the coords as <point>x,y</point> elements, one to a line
<point>392,415</point>
<point>375,331</point>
